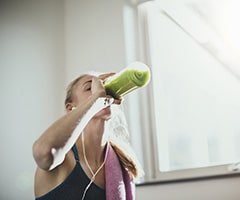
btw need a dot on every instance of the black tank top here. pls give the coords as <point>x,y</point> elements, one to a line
<point>72,188</point>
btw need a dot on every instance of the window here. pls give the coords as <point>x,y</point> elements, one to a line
<point>193,125</point>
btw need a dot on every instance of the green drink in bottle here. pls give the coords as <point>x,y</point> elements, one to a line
<point>134,76</point>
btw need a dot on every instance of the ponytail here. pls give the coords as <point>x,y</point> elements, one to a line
<point>125,161</point>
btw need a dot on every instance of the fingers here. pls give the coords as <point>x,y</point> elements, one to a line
<point>114,101</point>
<point>100,79</point>
<point>106,75</point>
<point>96,80</point>
<point>117,101</point>
<point>109,100</point>
<point>97,86</point>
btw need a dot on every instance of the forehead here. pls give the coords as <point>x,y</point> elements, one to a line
<point>85,78</point>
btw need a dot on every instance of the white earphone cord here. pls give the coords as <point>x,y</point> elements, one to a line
<point>89,167</point>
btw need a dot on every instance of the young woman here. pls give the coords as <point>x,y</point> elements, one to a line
<point>85,164</point>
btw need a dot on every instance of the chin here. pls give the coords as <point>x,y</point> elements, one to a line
<point>104,113</point>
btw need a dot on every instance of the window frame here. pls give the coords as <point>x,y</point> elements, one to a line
<point>149,150</point>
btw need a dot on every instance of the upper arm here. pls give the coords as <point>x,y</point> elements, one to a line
<point>44,181</point>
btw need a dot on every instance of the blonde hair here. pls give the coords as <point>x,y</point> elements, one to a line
<point>71,88</point>
<point>117,132</point>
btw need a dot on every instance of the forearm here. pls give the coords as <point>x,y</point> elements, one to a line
<point>50,149</point>
<point>58,154</point>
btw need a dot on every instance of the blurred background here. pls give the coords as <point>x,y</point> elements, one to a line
<point>44,44</point>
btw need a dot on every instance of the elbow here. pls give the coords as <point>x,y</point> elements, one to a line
<point>42,155</point>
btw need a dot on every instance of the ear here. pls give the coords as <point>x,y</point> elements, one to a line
<point>69,107</point>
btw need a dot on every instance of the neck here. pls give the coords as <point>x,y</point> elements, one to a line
<point>96,167</point>
<point>93,143</point>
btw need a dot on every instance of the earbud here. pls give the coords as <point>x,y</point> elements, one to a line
<point>73,108</point>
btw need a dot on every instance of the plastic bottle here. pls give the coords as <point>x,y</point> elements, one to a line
<point>134,76</point>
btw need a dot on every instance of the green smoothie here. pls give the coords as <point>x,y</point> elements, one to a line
<point>127,81</point>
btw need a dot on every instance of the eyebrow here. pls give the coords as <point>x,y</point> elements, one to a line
<point>86,82</point>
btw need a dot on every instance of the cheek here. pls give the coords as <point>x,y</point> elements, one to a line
<point>82,97</point>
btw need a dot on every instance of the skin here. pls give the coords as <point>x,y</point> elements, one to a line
<point>87,91</point>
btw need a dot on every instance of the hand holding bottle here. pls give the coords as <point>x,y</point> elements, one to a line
<point>134,76</point>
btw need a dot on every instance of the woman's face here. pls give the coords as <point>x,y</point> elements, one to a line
<point>83,91</point>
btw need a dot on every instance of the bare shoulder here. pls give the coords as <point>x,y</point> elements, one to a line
<point>45,181</point>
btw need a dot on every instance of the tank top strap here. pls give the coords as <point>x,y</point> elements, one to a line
<point>74,149</point>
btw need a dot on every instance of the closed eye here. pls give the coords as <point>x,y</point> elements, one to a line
<point>87,86</point>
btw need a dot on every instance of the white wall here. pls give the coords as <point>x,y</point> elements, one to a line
<point>31,85</point>
<point>94,36</point>
<point>43,45</point>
